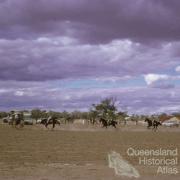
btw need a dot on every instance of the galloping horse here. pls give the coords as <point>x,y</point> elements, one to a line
<point>154,124</point>
<point>50,120</point>
<point>108,123</point>
<point>16,119</point>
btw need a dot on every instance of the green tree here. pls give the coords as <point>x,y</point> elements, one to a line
<point>122,117</point>
<point>36,114</point>
<point>106,109</point>
<point>3,114</point>
<point>67,117</point>
<point>93,114</point>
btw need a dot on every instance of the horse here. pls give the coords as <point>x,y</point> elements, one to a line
<point>50,120</point>
<point>108,123</point>
<point>16,119</point>
<point>43,121</point>
<point>154,124</point>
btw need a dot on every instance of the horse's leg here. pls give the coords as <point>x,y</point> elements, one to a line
<point>154,127</point>
<point>22,123</point>
<point>19,123</point>
<point>46,124</point>
<point>16,123</point>
<point>13,123</point>
<point>53,125</point>
<point>102,123</point>
<point>114,125</point>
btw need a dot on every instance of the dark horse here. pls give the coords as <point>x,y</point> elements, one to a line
<point>106,123</point>
<point>51,120</point>
<point>16,120</point>
<point>154,124</point>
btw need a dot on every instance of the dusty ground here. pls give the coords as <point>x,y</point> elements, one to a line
<point>78,152</point>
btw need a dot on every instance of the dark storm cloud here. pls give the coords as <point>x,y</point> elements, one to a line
<point>95,21</point>
<point>65,24</point>
<point>45,41</point>
<point>62,58</point>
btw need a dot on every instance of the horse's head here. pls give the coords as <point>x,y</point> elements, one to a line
<point>146,120</point>
<point>100,120</point>
<point>43,121</point>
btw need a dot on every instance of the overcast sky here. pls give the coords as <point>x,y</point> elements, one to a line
<point>68,54</point>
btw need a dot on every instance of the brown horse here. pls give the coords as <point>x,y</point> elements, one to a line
<point>106,123</point>
<point>154,124</point>
<point>50,120</point>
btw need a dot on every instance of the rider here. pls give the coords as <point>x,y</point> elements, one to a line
<point>48,119</point>
<point>155,118</point>
<point>12,117</point>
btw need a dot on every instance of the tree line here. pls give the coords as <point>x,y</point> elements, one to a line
<point>106,109</point>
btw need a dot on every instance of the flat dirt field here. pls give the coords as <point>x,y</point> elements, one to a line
<point>80,152</point>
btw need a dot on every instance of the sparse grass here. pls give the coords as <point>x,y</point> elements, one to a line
<point>31,147</point>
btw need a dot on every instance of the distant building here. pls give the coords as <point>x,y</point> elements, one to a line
<point>27,118</point>
<point>172,122</point>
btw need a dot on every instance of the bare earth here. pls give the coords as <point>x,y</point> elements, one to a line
<point>79,151</point>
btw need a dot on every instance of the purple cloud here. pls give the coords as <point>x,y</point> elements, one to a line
<point>62,58</point>
<point>96,22</point>
<point>45,43</point>
<point>134,100</point>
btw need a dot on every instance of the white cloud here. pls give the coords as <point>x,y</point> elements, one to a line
<point>152,78</point>
<point>32,60</point>
<point>113,78</point>
<point>19,93</point>
<point>177,69</point>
